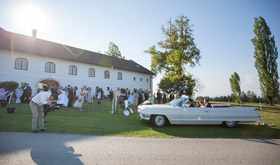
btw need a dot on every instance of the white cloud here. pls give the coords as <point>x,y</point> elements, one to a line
<point>251,83</point>
<point>249,79</point>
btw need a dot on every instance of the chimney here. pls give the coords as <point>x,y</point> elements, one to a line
<point>34,32</point>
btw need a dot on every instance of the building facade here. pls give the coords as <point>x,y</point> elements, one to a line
<point>30,60</point>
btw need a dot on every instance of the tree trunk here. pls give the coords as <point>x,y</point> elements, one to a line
<point>270,102</point>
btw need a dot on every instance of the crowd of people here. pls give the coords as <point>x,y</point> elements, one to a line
<point>70,97</point>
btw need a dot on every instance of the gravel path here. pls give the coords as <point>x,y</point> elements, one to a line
<point>44,148</point>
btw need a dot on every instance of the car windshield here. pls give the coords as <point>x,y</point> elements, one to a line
<point>178,102</point>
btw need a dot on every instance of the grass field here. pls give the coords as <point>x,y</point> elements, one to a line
<point>101,122</point>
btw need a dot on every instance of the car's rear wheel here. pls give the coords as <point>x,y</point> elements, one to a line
<point>158,120</point>
<point>230,124</point>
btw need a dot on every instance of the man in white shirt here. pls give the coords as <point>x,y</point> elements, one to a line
<point>36,105</point>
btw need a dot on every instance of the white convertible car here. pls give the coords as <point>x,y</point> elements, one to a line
<point>178,112</point>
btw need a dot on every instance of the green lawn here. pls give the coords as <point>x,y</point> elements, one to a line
<point>101,122</point>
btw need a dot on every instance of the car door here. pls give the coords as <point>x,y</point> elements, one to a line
<point>174,114</point>
<point>194,115</point>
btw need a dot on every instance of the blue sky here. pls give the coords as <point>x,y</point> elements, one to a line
<point>223,30</point>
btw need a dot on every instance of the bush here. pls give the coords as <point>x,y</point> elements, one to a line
<point>9,85</point>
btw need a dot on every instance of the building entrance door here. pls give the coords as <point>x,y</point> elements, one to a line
<point>49,83</point>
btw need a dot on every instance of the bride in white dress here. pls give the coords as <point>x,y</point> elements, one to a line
<point>63,99</point>
<point>80,101</point>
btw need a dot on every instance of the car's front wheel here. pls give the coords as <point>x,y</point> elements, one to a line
<point>230,124</point>
<point>158,120</point>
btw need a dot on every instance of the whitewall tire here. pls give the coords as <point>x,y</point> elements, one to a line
<point>230,124</point>
<point>158,120</point>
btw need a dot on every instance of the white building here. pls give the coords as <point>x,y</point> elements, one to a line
<point>34,61</point>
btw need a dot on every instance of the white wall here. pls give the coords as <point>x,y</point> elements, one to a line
<point>36,73</point>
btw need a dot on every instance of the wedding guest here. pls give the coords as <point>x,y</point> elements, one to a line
<point>19,93</point>
<point>59,90</point>
<point>99,95</point>
<point>207,104</point>
<point>151,97</point>
<point>159,97</point>
<point>191,103</point>
<point>54,91</point>
<point>178,95</point>
<point>79,103</point>
<point>146,94</point>
<point>74,94</point>
<point>90,99</point>
<point>164,98</point>
<point>111,95</point>
<point>200,104</point>
<point>135,99</point>
<point>171,96</point>
<point>140,96</point>
<point>70,96</point>
<point>22,96</point>
<point>27,93</point>
<point>102,93</point>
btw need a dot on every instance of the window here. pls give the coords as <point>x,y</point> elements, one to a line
<point>147,80</point>
<point>50,67</point>
<point>106,74</point>
<point>72,70</point>
<point>91,72</point>
<point>119,76</point>
<point>134,78</point>
<point>21,63</point>
<point>140,79</point>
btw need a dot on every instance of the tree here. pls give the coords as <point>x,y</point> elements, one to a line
<point>252,97</point>
<point>177,50</point>
<point>265,56</point>
<point>185,85</point>
<point>113,50</point>
<point>244,97</point>
<point>234,81</point>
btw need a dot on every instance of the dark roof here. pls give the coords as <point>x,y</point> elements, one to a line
<point>30,45</point>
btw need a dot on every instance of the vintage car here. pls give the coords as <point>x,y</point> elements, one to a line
<point>178,112</point>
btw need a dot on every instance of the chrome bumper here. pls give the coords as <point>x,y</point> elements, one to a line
<point>143,116</point>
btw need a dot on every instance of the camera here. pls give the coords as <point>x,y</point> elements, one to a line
<point>51,108</point>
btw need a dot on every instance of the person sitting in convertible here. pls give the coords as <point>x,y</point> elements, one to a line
<point>191,103</point>
<point>200,104</point>
<point>207,104</point>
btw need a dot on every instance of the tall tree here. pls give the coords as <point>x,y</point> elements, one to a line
<point>266,55</point>
<point>113,50</point>
<point>176,51</point>
<point>234,81</point>
<point>185,85</point>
